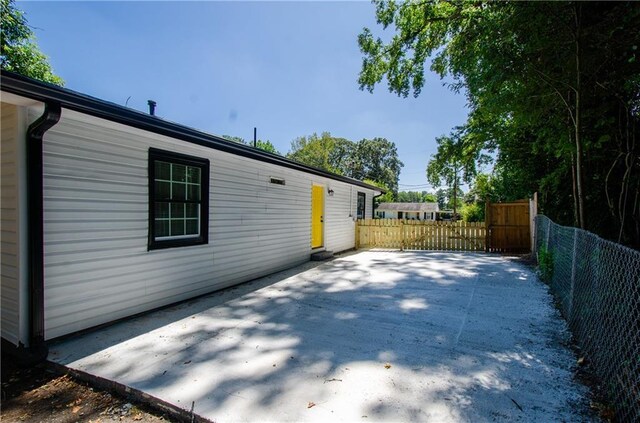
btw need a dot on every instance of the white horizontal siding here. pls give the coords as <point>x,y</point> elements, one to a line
<point>9,237</point>
<point>341,213</point>
<point>97,267</point>
<point>339,223</point>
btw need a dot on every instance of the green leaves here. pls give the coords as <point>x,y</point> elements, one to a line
<point>260,144</point>
<point>455,159</point>
<point>422,29</point>
<point>18,50</point>
<point>553,90</point>
<point>323,151</point>
<point>415,197</point>
<point>374,65</point>
<point>373,159</point>
<point>376,159</point>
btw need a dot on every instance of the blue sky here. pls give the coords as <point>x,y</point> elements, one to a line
<point>288,68</point>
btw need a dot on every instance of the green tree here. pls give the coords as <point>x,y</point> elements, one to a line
<point>387,197</point>
<point>373,159</point>
<point>442,198</point>
<point>429,198</point>
<point>19,51</point>
<point>409,197</point>
<point>260,144</point>
<point>267,146</point>
<point>553,88</point>
<point>376,159</point>
<point>415,197</point>
<point>445,198</point>
<point>482,189</point>
<point>449,165</point>
<point>473,212</point>
<point>322,151</point>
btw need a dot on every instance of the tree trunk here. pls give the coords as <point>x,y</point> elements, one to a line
<point>455,195</point>
<point>578,132</point>
<point>576,220</point>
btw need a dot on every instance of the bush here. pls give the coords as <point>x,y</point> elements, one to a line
<point>473,212</point>
<point>545,264</point>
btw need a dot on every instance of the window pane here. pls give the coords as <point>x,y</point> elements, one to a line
<point>177,227</point>
<point>178,191</point>
<point>193,192</point>
<point>177,210</point>
<point>192,210</point>
<point>162,228</point>
<point>162,210</point>
<point>192,227</point>
<point>179,173</point>
<point>361,205</point>
<point>163,170</point>
<point>193,174</point>
<point>163,190</point>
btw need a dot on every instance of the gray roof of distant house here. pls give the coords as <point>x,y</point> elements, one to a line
<point>408,207</point>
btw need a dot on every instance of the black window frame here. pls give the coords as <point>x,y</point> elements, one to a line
<point>183,159</point>
<point>362,195</point>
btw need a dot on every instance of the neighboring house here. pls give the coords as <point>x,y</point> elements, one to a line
<point>108,212</point>
<point>411,211</point>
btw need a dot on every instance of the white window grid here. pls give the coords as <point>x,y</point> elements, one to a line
<point>170,219</point>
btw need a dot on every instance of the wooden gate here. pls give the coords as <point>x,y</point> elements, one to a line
<point>420,235</point>
<point>508,227</point>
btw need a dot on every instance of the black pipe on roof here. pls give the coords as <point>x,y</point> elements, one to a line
<point>152,107</point>
<point>72,100</point>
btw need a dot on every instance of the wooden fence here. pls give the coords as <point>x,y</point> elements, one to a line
<point>509,226</point>
<point>420,235</point>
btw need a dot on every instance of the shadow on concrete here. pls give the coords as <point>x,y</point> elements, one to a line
<point>376,336</point>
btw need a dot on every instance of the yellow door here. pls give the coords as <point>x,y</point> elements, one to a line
<point>317,218</point>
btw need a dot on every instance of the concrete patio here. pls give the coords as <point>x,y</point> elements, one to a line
<point>372,336</point>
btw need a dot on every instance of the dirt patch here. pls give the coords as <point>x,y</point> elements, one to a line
<point>38,394</point>
<point>528,259</point>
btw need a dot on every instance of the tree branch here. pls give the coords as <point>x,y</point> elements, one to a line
<point>606,183</point>
<point>545,76</point>
<point>573,120</point>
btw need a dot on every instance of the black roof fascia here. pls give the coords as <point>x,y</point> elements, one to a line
<point>72,100</point>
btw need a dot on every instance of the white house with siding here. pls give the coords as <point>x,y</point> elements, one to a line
<point>410,211</point>
<point>108,212</point>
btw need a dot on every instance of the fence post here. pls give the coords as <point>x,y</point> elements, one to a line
<point>573,275</point>
<point>546,244</point>
<point>402,235</point>
<point>487,224</point>
<point>533,211</point>
<point>357,245</point>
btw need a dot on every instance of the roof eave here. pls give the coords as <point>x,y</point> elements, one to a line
<point>72,100</point>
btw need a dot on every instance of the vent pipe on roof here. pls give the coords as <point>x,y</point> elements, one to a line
<point>152,107</point>
<point>255,137</point>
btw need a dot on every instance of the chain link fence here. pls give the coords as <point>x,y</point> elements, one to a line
<point>597,284</point>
